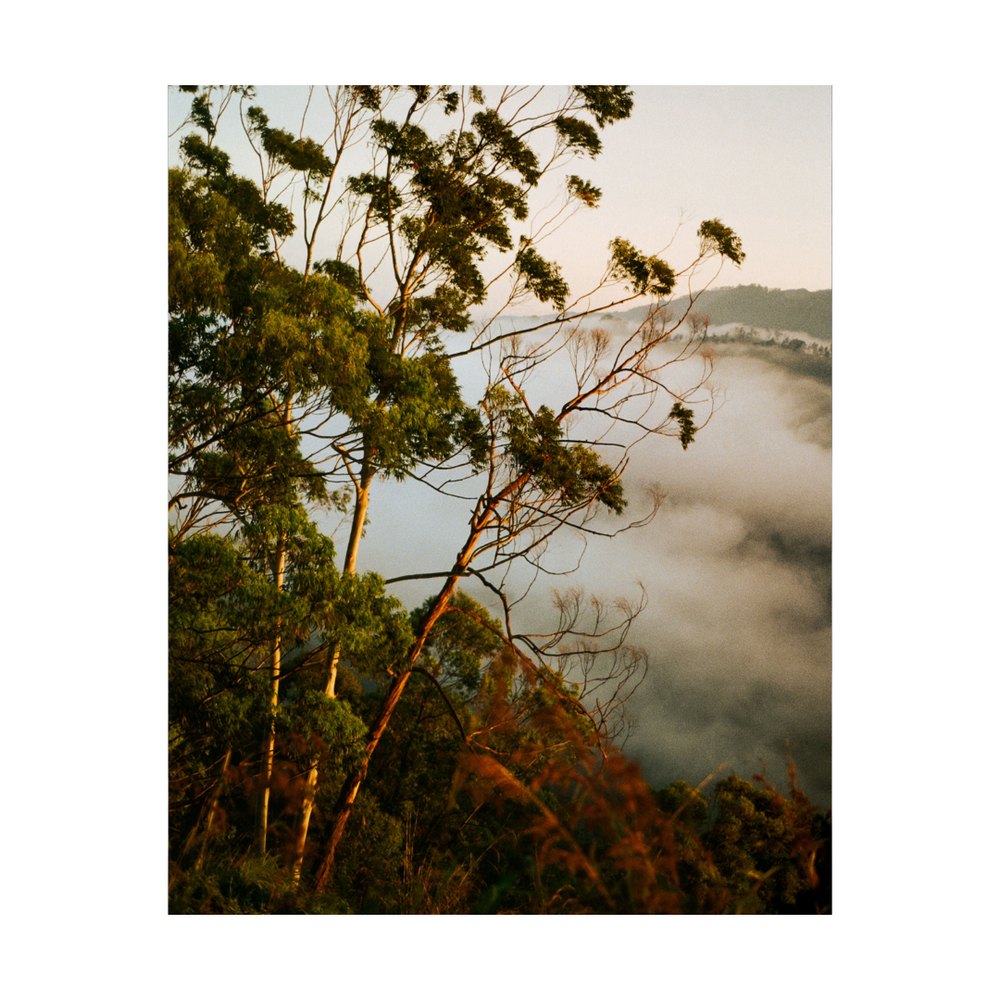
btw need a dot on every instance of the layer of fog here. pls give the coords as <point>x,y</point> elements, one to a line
<point>736,568</point>
<point>739,625</point>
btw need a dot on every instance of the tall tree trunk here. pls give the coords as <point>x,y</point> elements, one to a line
<point>349,790</point>
<point>332,663</point>
<point>312,778</point>
<point>358,521</point>
<point>267,749</point>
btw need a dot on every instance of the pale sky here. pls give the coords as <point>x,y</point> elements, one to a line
<point>758,158</point>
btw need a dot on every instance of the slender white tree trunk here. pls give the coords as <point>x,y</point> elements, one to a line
<point>267,749</point>
<point>358,522</point>
<point>312,779</point>
<point>332,663</point>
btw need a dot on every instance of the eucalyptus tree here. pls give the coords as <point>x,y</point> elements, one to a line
<point>255,352</point>
<point>339,374</point>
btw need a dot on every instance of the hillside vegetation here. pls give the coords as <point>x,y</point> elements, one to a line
<point>795,310</point>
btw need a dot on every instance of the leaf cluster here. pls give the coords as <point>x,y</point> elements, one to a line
<point>607,103</point>
<point>757,845</point>
<point>583,190</point>
<point>302,153</point>
<point>412,409</point>
<point>541,277</point>
<point>460,642</point>
<point>573,471</point>
<point>720,239</point>
<point>645,274</point>
<point>685,422</point>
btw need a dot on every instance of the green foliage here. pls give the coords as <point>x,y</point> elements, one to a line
<point>607,104</point>
<point>685,422</point>
<point>381,195</point>
<point>720,239</point>
<point>507,149</point>
<point>761,844</point>
<point>645,274</point>
<point>204,157</point>
<point>369,97</point>
<point>226,611</point>
<point>215,689</point>
<point>201,113</point>
<point>248,337</point>
<point>312,727</point>
<point>452,198</point>
<point>541,277</point>
<point>577,135</point>
<point>445,309</point>
<point>572,471</point>
<point>371,858</point>
<point>583,190</point>
<point>411,408</point>
<point>302,153</point>
<point>342,273</point>
<point>404,140</point>
<point>252,885</point>
<point>459,643</point>
<point>680,799</point>
<point>371,626</point>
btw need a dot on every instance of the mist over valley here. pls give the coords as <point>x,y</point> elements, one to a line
<point>735,565</point>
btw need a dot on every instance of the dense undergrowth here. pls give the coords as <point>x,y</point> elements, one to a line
<point>529,816</point>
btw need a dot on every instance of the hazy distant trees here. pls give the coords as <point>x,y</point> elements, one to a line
<point>772,308</point>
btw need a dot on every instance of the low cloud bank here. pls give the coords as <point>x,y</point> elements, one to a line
<point>736,567</point>
<point>739,627</point>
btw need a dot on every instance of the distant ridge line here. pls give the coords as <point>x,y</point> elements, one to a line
<point>793,310</point>
<point>796,309</point>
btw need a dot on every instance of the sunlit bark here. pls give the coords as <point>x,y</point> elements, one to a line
<point>267,749</point>
<point>332,662</point>
<point>349,790</point>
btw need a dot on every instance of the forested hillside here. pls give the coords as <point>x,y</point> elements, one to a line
<point>794,310</point>
<point>330,749</point>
